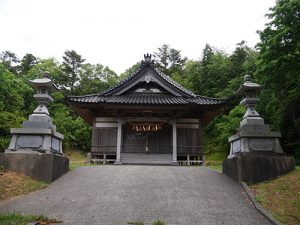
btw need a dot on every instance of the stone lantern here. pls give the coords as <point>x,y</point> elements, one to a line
<point>44,87</point>
<point>255,151</point>
<point>38,133</point>
<point>253,136</point>
<point>36,149</point>
<point>249,90</point>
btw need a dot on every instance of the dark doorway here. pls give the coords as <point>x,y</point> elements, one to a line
<point>158,142</point>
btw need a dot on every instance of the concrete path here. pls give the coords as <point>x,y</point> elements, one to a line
<point>113,195</point>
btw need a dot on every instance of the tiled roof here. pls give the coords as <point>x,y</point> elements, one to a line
<point>186,97</point>
<point>147,99</point>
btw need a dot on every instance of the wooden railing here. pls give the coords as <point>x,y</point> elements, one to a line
<point>103,148</point>
<point>181,150</point>
<point>189,150</point>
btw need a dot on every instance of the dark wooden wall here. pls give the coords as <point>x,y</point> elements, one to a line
<point>104,140</point>
<point>188,141</point>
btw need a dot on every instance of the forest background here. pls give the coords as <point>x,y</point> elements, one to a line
<point>274,63</point>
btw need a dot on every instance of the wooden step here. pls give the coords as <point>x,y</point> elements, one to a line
<point>146,159</point>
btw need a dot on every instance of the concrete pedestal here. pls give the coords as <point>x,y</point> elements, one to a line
<point>45,167</point>
<point>257,168</point>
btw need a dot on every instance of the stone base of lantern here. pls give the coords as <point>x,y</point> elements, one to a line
<point>256,168</point>
<point>41,166</point>
<point>39,134</point>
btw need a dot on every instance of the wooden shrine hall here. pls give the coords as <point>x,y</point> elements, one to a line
<point>147,118</point>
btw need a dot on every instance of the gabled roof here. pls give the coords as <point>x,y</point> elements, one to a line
<point>148,64</point>
<point>176,94</point>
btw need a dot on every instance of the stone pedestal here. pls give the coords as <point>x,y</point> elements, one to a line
<point>257,168</point>
<point>41,166</point>
<point>253,136</point>
<point>37,134</point>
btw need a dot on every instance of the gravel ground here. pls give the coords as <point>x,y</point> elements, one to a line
<point>113,195</point>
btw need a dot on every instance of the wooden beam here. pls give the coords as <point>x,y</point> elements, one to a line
<point>147,119</point>
<point>119,139</point>
<point>174,141</point>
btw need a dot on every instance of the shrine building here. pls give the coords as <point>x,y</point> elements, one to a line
<point>147,118</point>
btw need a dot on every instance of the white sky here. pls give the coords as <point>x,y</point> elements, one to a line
<point>117,33</point>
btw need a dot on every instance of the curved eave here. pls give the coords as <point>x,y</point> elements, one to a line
<point>147,100</point>
<point>209,107</point>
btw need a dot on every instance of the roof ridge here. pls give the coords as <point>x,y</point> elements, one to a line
<point>77,96</point>
<point>212,98</point>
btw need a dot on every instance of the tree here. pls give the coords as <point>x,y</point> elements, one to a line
<point>45,65</point>
<point>9,58</point>
<point>242,61</point>
<point>27,62</point>
<point>191,70</point>
<point>212,73</point>
<point>238,59</point>
<point>169,60</point>
<point>12,103</point>
<point>278,71</point>
<point>71,67</point>
<point>207,54</point>
<point>95,79</point>
<point>198,76</point>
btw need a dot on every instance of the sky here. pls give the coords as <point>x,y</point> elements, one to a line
<point>117,33</point>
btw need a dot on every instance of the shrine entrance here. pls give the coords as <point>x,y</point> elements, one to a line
<point>147,138</point>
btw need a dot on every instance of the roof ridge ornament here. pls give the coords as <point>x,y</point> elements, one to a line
<point>147,60</point>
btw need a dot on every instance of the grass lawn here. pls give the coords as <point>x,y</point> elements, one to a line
<point>214,160</point>
<point>13,184</point>
<point>157,222</point>
<point>18,219</point>
<point>281,197</point>
<point>215,165</point>
<point>77,159</point>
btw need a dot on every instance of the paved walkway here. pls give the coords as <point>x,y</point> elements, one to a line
<point>113,195</point>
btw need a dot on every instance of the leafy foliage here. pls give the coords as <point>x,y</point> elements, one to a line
<point>9,58</point>
<point>221,128</point>
<point>169,60</point>
<point>12,103</point>
<point>278,71</point>
<point>27,62</point>
<point>70,69</point>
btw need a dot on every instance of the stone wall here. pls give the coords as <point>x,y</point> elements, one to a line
<point>254,169</point>
<point>45,167</point>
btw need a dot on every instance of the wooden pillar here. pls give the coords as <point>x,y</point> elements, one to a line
<point>174,141</point>
<point>119,140</point>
